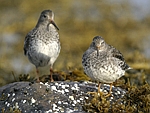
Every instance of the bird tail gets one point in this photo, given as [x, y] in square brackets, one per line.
[131, 70]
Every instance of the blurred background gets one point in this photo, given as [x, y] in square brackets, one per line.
[125, 24]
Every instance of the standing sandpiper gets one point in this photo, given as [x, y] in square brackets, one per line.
[42, 45]
[103, 62]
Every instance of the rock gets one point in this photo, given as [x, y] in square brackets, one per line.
[55, 97]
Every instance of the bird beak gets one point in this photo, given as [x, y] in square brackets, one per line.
[54, 24]
[98, 47]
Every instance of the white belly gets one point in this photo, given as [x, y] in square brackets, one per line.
[103, 75]
[42, 54]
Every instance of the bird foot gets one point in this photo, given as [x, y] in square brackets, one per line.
[51, 75]
[51, 80]
[96, 93]
[38, 80]
[108, 95]
[92, 93]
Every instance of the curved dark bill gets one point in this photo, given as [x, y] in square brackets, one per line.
[54, 24]
[97, 51]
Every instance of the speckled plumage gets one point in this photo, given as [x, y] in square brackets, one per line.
[42, 45]
[103, 62]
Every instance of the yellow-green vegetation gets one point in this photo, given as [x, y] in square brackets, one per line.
[11, 110]
[137, 100]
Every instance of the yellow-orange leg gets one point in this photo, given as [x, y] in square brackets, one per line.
[109, 94]
[95, 93]
[99, 87]
[37, 75]
[51, 75]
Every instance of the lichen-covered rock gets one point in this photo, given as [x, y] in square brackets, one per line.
[55, 97]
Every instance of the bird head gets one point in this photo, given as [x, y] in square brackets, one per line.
[47, 18]
[98, 44]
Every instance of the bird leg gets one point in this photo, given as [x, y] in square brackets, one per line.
[92, 93]
[37, 75]
[98, 92]
[109, 94]
[99, 87]
[51, 74]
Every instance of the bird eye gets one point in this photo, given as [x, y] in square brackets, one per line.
[93, 43]
[102, 42]
[44, 16]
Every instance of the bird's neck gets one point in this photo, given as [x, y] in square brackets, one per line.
[47, 27]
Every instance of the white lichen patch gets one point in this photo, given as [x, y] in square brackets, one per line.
[53, 88]
[49, 101]
[33, 100]
[61, 91]
[24, 101]
[56, 83]
[16, 105]
[8, 104]
[65, 103]
[118, 92]
[76, 85]
[71, 97]
[8, 95]
[86, 97]
[55, 108]
[105, 91]
[13, 94]
[81, 99]
[46, 84]
[41, 82]
[111, 98]
[13, 99]
[75, 102]
[66, 90]
[59, 102]
[67, 85]
[49, 111]
[63, 86]
[78, 101]
[28, 87]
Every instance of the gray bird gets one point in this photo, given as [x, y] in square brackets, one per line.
[103, 63]
[42, 45]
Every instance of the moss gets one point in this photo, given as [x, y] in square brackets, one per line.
[76, 75]
[97, 104]
[11, 110]
[137, 99]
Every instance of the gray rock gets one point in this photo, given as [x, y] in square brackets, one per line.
[55, 97]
